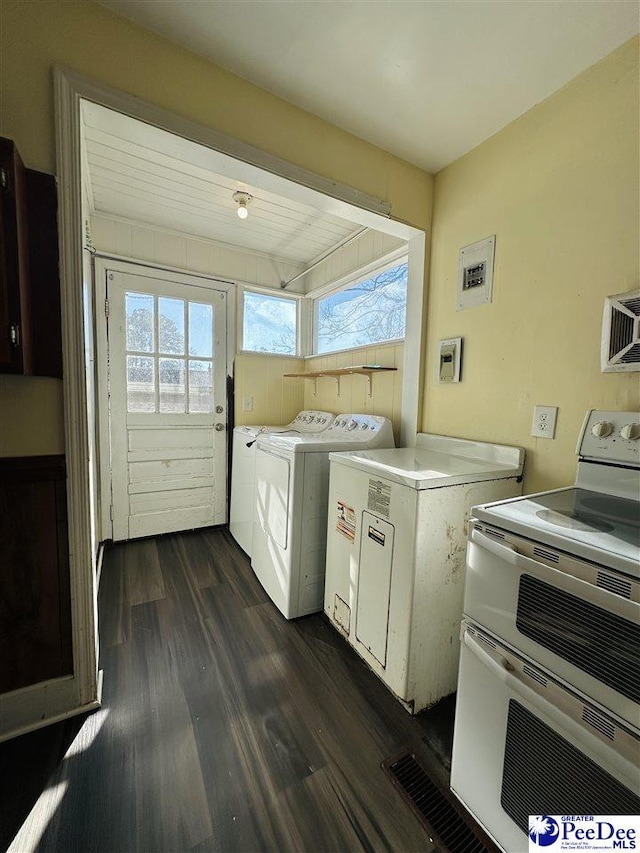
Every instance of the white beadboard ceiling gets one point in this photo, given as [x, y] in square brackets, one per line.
[141, 173]
[427, 80]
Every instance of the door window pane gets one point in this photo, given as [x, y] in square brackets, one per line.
[200, 330]
[141, 389]
[269, 324]
[139, 311]
[200, 386]
[171, 325]
[371, 311]
[172, 391]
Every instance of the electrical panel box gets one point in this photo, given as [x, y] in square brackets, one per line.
[449, 360]
[475, 273]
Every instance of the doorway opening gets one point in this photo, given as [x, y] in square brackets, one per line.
[246, 167]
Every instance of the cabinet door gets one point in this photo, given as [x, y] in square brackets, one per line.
[14, 263]
[35, 597]
[45, 338]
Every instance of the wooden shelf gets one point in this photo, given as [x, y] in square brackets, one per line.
[367, 370]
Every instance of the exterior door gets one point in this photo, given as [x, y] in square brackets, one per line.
[167, 405]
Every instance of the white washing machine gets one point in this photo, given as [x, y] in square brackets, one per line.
[243, 463]
[290, 520]
[396, 546]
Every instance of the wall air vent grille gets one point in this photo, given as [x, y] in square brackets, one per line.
[621, 333]
[631, 356]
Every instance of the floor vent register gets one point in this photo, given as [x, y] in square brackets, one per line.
[446, 826]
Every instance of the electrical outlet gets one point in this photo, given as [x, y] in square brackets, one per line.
[544, 421]
[247, 404]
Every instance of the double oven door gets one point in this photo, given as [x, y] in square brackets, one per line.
[525, 744]
[581, 622]
[547, 717]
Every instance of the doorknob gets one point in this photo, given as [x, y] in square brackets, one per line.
[219, 427]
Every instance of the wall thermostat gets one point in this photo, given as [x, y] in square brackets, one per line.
[449, 360]
[475, 273]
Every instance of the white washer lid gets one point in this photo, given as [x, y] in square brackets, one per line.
[438, 461]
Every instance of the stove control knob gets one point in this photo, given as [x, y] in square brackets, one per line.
[630, 431]
[602, 429]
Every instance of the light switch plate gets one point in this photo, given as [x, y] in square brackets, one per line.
[449, 360]
[544, 421]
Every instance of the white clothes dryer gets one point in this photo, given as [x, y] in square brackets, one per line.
[396, 546]
[290, 520]
[243, 463]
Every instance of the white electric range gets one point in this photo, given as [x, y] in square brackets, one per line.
[548, 713]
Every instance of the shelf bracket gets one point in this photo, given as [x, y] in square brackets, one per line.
[368, 375]
[315, 386]
[337, 378]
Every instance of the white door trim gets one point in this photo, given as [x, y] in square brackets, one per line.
[39, 704]
[286, 179]
[103, 265]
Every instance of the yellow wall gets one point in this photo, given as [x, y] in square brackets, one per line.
[31, 417]
[100, 44]
[386, 396]
[559, 188]
[275, 400]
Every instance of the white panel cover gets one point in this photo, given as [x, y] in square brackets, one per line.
[374, 585]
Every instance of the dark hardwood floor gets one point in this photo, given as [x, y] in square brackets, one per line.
[223, 726]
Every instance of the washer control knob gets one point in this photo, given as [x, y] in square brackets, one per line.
[363, 426]
[630, 431]
[353, 424]
[602, 429]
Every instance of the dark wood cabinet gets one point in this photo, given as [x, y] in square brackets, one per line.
[35, 599]
[14, 262]
[30, 335]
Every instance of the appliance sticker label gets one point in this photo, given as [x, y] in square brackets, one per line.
[346, 522]
[376, 536]
[379, 497]
[583, 832]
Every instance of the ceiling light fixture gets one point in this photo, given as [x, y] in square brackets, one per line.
[243, 200]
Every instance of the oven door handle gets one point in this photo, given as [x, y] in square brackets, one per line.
[505, 671]
[504, 550]
[623, 607]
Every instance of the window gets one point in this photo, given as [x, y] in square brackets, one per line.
[269, 324]
[164, 355]
[371, 311]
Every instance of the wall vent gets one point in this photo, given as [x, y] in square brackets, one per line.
[621, 333]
